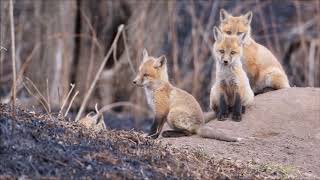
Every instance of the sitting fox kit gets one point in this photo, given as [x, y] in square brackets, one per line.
[232, 88]
[263, 69]
[170, 104]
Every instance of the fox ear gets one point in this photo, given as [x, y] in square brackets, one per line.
[224, 15]
[145, 54]
[160, 62]
[242, 37]
[248, 17]
[217, 34]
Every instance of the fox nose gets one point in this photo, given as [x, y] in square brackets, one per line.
[134, 82]
[225, 62]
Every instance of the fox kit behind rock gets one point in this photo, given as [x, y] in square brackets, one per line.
[232, 88]
[263, 69]
[170, 104]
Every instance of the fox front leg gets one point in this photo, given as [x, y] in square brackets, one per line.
[223, 110]
[156, 127]
[237, 109]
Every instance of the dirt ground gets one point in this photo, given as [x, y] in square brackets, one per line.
[281, 128]
[281, 134]
[44, 147]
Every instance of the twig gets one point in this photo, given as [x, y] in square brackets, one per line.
[311, 59]
[117, 104]
[48, 96]
[301, 28]
[92, 56]
[35, 49]
[115, 54]
[94, 41]
[70, 104]
[13, 49]
[66, 99]
[45, 103]
[94, 34]
[52, 160]
[124, 38]
[2, 48]
[33, 167]
[88, 94]
[59, 95]
[39, 99]
[174, 40]
[274, 32]
[195, 51]
[22, 70]
[264, 25]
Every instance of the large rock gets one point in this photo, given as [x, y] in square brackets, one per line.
[282, 127]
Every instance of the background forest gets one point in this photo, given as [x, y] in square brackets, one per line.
[60, 46]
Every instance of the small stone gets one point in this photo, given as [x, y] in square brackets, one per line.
[89, 167]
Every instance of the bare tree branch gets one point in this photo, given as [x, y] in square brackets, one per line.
[88, 94]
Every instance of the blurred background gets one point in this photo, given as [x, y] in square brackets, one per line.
[63, 42]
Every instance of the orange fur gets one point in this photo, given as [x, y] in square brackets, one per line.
[170, 104]
[262, 67]
[230, 76]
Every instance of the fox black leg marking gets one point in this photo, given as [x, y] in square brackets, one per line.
[237, 109]
[176, 133]
[243, 109]
[156, 127]
[153, 130]
[222, 109]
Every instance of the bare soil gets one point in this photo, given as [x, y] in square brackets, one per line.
[44, 147]
[282, 128]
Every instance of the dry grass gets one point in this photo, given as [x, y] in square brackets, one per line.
[93, 84]
[35, 92]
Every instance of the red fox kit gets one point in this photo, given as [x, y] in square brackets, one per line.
[170, 104]
[263, 69]
[232, 88]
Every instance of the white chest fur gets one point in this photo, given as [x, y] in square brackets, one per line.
[150, 97]
[227, 76]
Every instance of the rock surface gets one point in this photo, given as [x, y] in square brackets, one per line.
[281, 127]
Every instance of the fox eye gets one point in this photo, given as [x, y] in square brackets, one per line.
[228, 32]
[233, 52]
[221, 51]
[145, 75]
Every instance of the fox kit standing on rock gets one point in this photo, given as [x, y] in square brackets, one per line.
[263, 69]
[232, 88]
[170, 104]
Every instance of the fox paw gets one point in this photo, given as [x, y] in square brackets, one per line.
[237, 117]
[243, 109]
[153, 136]
[222, 117]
